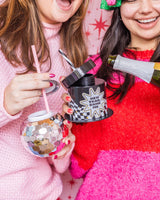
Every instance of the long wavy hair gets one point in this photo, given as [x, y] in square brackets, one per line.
[116, 41]
[20, 27]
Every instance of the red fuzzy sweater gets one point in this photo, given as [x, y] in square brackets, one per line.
[119, 157]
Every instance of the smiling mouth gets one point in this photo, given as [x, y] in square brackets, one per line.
[145, 21]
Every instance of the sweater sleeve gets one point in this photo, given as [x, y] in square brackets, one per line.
[4, 116]
[87, 147]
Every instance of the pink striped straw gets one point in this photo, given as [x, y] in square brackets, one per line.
[38, 70]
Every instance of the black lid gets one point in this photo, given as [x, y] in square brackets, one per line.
[78, 73]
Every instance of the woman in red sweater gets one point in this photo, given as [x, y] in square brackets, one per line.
[119, 157]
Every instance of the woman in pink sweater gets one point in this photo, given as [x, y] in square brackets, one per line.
[119, 157]
[49, 25]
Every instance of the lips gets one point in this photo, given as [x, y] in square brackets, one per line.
[64, 4]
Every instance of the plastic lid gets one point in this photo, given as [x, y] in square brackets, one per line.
[78, 73]
[40, 115]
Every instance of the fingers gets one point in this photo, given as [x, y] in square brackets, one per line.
[25, 103]
[25, 90]
[69, 140]
[31, 81]
[22, 95]
[60, 80]
[66, 109]
[34, 85]
[61, 154]
[30, 94]
[68, 124]
[34, 76]
[66, 97]
[14, 106]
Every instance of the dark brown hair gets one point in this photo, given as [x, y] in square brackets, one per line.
[115, 41]
[20, 27]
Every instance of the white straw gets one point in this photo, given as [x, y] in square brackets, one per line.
[38, 70]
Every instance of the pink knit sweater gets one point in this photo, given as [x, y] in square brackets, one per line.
[22, 175]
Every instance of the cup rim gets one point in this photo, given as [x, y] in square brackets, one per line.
[40, 115]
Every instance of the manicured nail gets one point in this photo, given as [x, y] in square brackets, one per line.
[68, 98]
[51, 75]
[70, 110]
[61, 77]
[51, 84]
[55, 157]
[69, 141]
[68, 122]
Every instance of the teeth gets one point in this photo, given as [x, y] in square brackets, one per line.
[147, 20]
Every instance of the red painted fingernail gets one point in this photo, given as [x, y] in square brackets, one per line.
[69, 141]
[60, 78]
[51, 75]
[68, 98]
[51, 84]
[55, 157]
[68, 122]
[70, 110]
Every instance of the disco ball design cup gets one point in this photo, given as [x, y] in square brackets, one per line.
[42, 133]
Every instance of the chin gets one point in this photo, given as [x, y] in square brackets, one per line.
[62, 19]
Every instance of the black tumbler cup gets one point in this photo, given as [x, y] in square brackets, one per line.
[88, 95]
